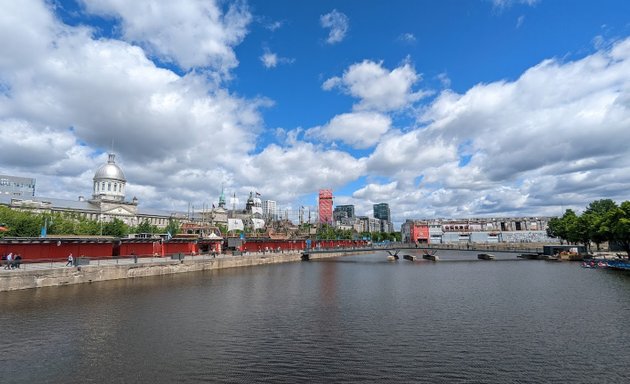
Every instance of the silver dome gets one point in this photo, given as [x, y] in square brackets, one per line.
[110, 171]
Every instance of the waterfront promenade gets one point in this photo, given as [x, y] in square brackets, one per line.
[56, 273]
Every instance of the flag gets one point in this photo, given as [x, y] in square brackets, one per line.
[168, 235]
[43, 233]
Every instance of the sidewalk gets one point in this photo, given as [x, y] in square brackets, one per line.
[47, 265]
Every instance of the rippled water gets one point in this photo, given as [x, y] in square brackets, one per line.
[349, 320]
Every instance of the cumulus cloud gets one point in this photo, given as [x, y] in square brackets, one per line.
[190, 33]
[338, 24]
[359, 129]
[69, 90]
[553, 137]
[377, 87]
[65, 96]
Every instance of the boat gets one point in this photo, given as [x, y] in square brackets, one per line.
[485, 256]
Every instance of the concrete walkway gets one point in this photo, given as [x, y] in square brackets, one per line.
[46, 265]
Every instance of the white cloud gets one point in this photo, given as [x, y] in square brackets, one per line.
[556, 136]
[501, 4]
[190, 33]
[69, 91]
[271, 60]
[407, 38]
[519, 21]
[359, 129]
[338, 24]
[378, 88]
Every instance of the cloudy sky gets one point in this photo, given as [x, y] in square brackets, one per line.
[439, 108]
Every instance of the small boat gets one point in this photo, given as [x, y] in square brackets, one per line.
[485, 256]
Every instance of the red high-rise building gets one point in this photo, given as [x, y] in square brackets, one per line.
[325, 206]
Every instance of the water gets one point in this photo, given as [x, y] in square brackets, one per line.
[354, 319]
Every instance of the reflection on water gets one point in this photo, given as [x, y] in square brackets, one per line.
[352, 319]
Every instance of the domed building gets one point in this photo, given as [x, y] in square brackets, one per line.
[109, 192]
[109, 182]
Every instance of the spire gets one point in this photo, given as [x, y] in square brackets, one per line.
[222, 198]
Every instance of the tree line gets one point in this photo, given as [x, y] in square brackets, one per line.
[602, 221]
[17, 223]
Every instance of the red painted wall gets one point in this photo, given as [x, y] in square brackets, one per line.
[56, 249]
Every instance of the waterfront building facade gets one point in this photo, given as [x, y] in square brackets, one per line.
[477, 230]
[16, 186]
[108, 201]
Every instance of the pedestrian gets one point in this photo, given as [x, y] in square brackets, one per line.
[70, 260]
[9, 263]
[18, 261]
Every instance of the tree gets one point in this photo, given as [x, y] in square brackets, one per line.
[145, 227]
[618, 220]
[173, 227]
[599, 230]
[116, 228]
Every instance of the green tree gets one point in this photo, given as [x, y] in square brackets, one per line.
[173, 227]
[618, 220]
[599, 230]
[145, 227]
[116, 228]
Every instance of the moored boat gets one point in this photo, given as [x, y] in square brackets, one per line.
[485, 256]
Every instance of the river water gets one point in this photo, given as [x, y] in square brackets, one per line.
[354, 319]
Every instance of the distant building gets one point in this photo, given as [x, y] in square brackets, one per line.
[382, 212]
[348, 209]
[343, 216]
[367, 224]
[270, 209]
[17, 186]
[107, 202]
[476, 230]
[325, 206]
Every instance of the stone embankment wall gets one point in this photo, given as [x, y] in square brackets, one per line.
[27, 279]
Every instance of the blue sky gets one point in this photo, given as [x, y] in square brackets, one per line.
[440, 108]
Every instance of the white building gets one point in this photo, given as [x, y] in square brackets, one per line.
[270, 209]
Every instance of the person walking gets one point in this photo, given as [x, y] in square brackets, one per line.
[70, 261]
[9, 262]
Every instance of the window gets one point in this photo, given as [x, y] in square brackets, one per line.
[109, 186]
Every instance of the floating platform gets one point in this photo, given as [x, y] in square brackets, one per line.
[485, 256]
[409, 257]
[430, 257]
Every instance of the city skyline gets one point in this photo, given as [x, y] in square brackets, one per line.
[439, 108]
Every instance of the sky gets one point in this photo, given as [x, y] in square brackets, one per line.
[442, 109]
